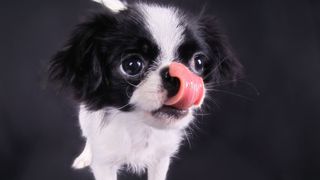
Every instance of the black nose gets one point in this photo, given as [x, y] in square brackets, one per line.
[171, 84]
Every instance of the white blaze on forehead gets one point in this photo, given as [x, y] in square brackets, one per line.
[113, 5]
[164, 24]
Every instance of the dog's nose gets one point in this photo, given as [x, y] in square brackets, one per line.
[171, 84]
[185, 88]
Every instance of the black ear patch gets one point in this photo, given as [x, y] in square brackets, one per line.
[227, 64]
[88, 65]
[77, 65]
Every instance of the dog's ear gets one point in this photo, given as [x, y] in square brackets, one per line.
[77, 66]
[227, 65]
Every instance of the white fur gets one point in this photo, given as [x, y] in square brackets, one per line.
[151, 91]
[115, 138]
[114, 5]
[137, 138]
[165, 26]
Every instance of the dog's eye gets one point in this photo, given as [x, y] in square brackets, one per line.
[132, 65]
[197, 63]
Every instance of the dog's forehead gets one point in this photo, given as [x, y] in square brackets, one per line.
[165, 25]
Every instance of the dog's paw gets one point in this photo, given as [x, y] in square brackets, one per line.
[83, 160]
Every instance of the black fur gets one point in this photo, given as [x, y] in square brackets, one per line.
[89, 63]
[206, 36]
[225, 65]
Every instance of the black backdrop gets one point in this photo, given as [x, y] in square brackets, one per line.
[273, 135]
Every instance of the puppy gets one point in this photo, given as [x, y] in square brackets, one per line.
[139, 72]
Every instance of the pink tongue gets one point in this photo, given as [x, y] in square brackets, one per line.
[191, 88]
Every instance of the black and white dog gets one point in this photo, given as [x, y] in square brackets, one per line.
[139, 71]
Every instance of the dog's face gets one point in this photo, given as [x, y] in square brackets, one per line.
[121, 61]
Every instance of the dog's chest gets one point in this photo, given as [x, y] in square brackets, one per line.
[130, 142]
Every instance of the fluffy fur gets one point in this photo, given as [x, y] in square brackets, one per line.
[116, 110]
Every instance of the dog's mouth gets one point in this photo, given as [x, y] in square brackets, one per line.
[170, 112]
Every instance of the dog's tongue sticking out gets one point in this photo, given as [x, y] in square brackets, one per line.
[191, 90]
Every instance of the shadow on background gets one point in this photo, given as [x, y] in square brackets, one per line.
[274, 135]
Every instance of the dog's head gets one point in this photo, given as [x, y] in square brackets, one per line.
[150, 60]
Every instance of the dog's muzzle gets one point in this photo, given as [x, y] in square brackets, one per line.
[185, 89]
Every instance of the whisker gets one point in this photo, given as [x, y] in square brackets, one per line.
[131, 83]
[252, 86]
[117, 111]
[231, 93]
[127, 93]
[124, 106]
[187, 138]
[202, 114]
[214, 69]
[226, 82]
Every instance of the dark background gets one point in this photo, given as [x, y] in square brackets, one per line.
[273, 134]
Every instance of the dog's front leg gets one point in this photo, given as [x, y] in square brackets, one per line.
[158, 170]
[84, 159]
[104, 172]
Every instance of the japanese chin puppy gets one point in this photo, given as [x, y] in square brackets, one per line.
[139, 72]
